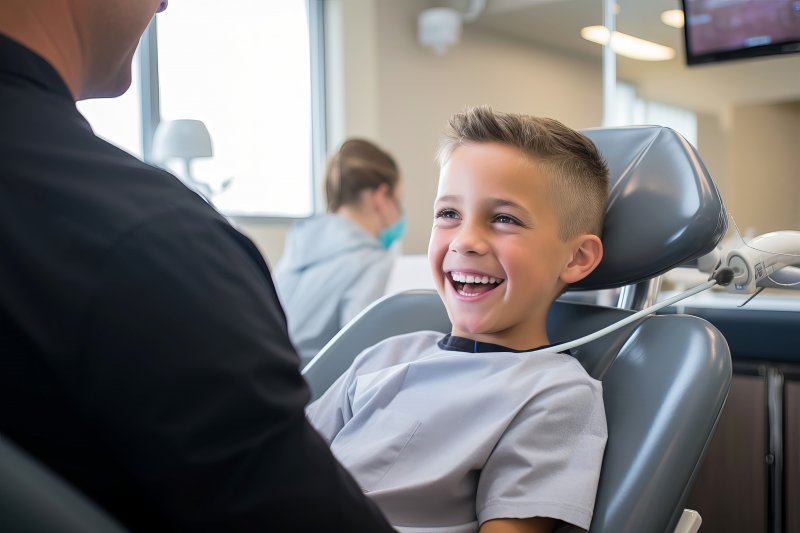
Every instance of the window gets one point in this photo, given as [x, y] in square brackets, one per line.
[118, 120]
[244, 70]
[630, 109]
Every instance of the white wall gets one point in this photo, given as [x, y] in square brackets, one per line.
[751, 152]
[745, 82]
[713, 144]
[764, 163]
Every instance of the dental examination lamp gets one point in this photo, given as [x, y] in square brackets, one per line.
[185, 140]
[439, 28]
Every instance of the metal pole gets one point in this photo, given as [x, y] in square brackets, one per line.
[609, 64]
[319, 126]
[775, 402]
[639, 295]
[151, 105]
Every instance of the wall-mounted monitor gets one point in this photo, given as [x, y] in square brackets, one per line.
[722, 30]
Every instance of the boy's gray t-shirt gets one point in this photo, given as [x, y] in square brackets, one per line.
[443, 441]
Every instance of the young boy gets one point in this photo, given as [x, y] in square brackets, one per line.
[468, 431]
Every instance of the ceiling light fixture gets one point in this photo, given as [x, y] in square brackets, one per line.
[673, 17]
[628, 45]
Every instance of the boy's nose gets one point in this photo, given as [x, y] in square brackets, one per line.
[469, 240]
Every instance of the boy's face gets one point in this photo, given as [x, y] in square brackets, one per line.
[494, 223]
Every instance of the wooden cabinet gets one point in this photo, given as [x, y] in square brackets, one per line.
[750, 481]
[793, 456]
[731, 490]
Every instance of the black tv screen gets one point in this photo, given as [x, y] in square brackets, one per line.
[721, 30]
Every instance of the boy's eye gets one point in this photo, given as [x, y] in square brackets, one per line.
[506, 219]
[446, 213]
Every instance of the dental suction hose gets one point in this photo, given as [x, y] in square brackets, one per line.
[722, 276]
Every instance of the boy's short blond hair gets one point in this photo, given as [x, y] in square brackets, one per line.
[578, 174]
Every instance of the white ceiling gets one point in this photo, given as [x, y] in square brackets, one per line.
[555, 25]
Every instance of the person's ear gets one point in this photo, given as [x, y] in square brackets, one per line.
[586, 255]
[381, 196]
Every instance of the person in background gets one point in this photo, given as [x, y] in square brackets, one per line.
[145, 356]
[336, 264]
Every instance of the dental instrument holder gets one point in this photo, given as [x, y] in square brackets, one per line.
[756, 263]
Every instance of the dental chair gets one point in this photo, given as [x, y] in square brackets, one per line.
[33, 499]
[665, 378]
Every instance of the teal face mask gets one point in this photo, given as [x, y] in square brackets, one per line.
[393, 232]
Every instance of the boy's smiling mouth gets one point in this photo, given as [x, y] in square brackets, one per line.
[472, 284]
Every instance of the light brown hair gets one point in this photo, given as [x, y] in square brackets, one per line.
[356, 166]
[578, 174]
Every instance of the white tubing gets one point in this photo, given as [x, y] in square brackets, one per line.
[624, 322]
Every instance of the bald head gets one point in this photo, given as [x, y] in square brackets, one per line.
[90, 43]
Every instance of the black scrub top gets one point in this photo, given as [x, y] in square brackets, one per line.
[143, 353]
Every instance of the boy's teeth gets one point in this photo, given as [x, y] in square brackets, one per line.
[471, 278]
[464, 293]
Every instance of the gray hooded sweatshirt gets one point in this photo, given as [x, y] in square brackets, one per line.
[330, 271]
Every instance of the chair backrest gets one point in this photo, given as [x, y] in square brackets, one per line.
[35, 500]
[665, 378]
[663, 207]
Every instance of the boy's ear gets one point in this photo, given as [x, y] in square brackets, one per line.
[586, 255]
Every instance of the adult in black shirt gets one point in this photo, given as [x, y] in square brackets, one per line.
[143, 352]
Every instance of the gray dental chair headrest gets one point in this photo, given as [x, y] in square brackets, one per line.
[663, 208]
